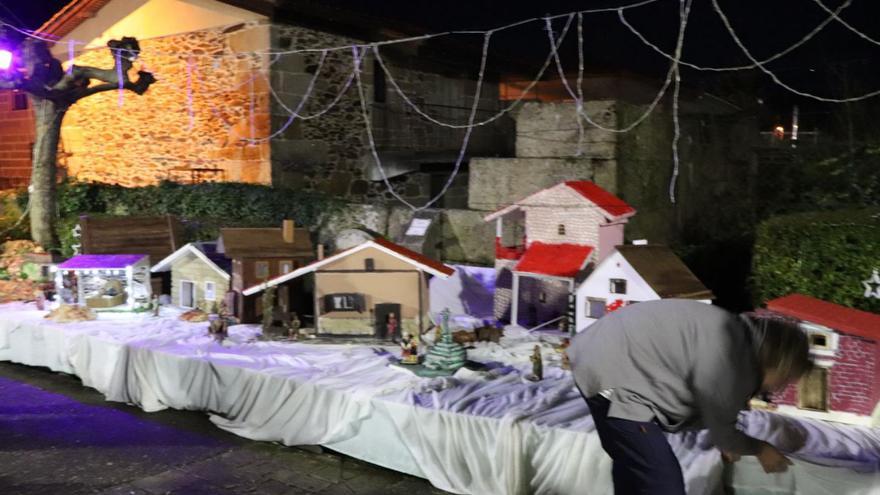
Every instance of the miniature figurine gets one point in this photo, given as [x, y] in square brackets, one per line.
[293, 326]
[391, 325]
[40, 299]
[154, 304]
[410, 349]
[268, 301]
[218, 328]
[537, 364]
[566, 365]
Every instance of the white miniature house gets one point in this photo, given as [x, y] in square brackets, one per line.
[104, 281]
[635, 273]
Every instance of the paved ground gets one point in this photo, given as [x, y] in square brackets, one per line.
[59, 437]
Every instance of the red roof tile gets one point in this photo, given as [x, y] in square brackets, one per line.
[615, 206]
[558, 260]
[417, 257]
[835, 316]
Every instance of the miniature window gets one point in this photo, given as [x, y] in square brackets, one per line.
[285, 267]
[618, 286]
[369, 264]
[19, 101]
[818, 340]
[595, 308]
[210, 291]
[261, 269]
[542, 297]
[343, 302]
[561, 229]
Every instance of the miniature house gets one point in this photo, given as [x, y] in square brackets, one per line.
[261, 254]
[545, 241]
[104, 281]
[635, 273]
[357, 289]
[200, 275]
[844, 385]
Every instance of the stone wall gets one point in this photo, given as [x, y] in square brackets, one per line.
[544, 216]
[208, 99]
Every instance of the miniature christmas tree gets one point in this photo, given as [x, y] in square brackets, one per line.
[446, 356]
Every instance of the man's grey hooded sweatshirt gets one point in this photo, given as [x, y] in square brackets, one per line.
[685, 363]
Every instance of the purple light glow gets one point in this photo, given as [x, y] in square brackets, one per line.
[5, 59]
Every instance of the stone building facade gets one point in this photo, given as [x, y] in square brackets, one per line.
[16, 126]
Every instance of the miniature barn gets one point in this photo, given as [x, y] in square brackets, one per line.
[104, 281]
[546, 243]
[357, 290]
[636, 273]
[844, 385]
[200, 275]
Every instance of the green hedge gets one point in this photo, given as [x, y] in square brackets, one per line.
[204, 208]
[825, 254]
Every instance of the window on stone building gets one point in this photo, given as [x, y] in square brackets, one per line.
[19, 101]
[380, 86]
[561, 229]
[542, 297]
[618, 286]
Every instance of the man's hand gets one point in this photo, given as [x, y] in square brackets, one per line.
[730, 457]
[772, 460]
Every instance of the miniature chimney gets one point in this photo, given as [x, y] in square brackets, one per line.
[320, 252]
[287, 231]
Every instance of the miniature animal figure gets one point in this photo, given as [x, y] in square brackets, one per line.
[566, 365]
[293, 326]
[464, 337]
[537, 363]
[154, 304]
[489, 333]
[218, 328]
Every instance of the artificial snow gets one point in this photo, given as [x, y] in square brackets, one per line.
[487, 431]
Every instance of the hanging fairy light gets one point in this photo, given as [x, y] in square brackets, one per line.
[5, 59]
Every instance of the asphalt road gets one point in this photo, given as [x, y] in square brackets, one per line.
[60, 437]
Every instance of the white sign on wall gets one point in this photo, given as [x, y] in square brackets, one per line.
[418, 227]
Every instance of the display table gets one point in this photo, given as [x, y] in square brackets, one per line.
[490, 432]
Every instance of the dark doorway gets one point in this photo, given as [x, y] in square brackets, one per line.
[382, 311]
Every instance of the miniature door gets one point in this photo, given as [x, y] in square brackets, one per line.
[383, 312]
[813, 390]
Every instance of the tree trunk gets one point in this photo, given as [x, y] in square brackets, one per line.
[48, 116]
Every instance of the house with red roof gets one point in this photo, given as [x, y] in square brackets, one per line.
[358, 289]
[844, 385]
[545, 241]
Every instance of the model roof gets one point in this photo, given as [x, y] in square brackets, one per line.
[828, 314]
[613, 207]
[556, 260]
[205, 251]
[420, 261]
[263, 242]
[667, 275]
[101, 261]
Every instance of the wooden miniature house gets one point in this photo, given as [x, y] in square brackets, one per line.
[104, 281]
[262, 254]
[545, 241]
[200, 276]
[844, 385]
[356, 290]
[635, 273]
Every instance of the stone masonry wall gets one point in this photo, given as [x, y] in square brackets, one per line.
[208, 99]
[544, 215]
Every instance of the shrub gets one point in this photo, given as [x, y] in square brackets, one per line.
[825, 254]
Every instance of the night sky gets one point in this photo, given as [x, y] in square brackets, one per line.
[835, 63]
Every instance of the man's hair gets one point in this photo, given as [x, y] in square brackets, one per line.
[780, 344]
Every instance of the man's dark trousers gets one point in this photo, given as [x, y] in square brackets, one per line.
[643, 460]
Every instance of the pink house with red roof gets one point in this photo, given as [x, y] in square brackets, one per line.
[845, 345]
[545, 241]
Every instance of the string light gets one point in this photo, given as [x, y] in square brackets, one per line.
[834, 15]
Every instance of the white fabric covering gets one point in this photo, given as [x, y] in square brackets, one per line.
[488, 432]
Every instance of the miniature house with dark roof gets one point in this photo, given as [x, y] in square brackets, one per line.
[104, 281]
[356, 290]
[635, 273]
[261, 254]
[200, 276]
[545, 241]
[844, 385]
